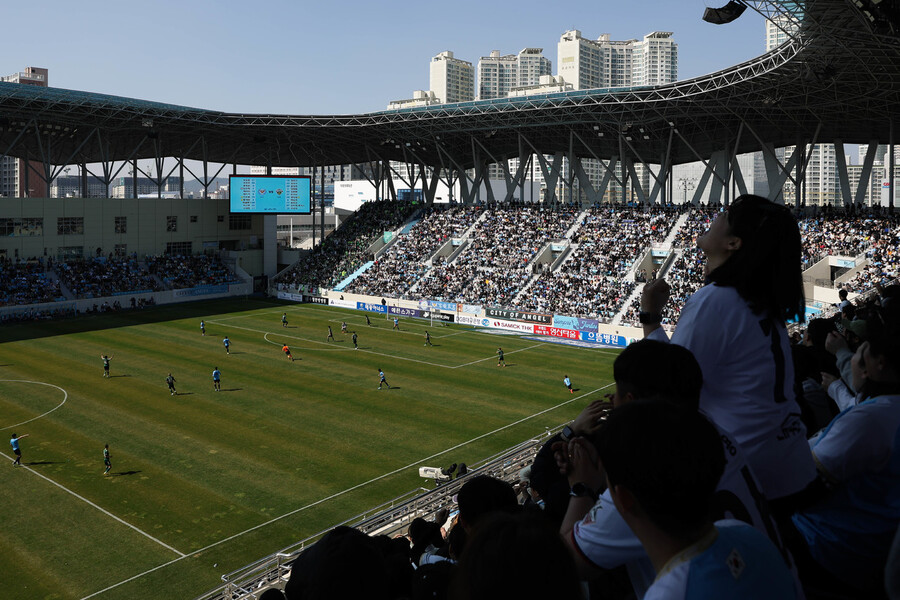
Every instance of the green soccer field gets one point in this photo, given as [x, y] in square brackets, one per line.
[206, 482]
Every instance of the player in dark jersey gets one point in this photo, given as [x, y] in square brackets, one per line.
[500, 360]
[170, 381]
[107, 461]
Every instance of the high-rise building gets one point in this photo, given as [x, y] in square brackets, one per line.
[499, 75]
[14, 182]
[452, 79]
[602, 63]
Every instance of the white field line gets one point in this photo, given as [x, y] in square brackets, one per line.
[348, 490]
[67, 490]
[103, 510]
[422, 362]
[65, 397]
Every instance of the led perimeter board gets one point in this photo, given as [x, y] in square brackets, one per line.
[269, 194]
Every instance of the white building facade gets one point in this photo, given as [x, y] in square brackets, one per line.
[451, 79]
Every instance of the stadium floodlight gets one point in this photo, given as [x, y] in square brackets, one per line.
[725, 14]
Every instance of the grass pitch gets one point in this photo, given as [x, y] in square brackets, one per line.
[205, 482]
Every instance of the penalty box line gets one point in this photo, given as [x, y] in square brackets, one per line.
[350, 489]
[422, 362]
[103, 510]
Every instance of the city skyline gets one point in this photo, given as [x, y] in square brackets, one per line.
[341, 58]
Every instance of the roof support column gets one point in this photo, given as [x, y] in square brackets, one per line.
[891, 162]
[134, 178]
[866, 173]
[843, 176]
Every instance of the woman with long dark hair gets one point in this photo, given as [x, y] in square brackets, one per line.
[735, 327]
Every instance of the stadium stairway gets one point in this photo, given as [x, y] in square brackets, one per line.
[343, 284]
[409, 225]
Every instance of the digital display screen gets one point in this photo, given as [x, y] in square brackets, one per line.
[269, 194]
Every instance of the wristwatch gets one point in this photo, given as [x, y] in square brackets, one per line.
[568, 433]
[580, 490]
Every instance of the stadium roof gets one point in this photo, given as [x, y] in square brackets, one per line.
[836, 78]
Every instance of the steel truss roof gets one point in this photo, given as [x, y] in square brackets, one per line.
[836, 79]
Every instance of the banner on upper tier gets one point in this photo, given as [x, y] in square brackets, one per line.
[202, 290]
[576, 323]
[290, 296]
[569, 334]
[518, 315]
[367, 306]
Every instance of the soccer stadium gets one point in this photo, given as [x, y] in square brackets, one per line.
[460, 384]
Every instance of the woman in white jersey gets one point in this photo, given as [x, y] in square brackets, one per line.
[735, 327]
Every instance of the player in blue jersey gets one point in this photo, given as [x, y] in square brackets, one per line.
[663, 464]
[382, 380]
[202, 328]
[396, 324]
[568, 383]
[14, 442]
[227, 343]
[217, 379]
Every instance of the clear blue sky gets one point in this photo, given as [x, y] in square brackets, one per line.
[338, 57]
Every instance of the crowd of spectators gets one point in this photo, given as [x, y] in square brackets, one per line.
[99, 277]
[403, 264]
[344, 251]
[179, 272]
[883, 258]
[509, 238]
[27, 283]
[685, 274]
[591, 283]
[685, 500]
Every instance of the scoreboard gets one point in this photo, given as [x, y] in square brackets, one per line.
[269, 194]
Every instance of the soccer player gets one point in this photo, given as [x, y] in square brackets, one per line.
[396, 324]
[382, 379]
[427, 339]
[202, 328]
[343, 326]
[330, 335]
[284, 320]
[227, 343]
[106, 460]
[368, 322]
[217, 380]
[500, 360]
[14, 442]
[105, 360]
[170, 381]
[287, 352]
[568, 383]
[355, 346]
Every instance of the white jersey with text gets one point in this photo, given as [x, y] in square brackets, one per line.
[748, 380]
